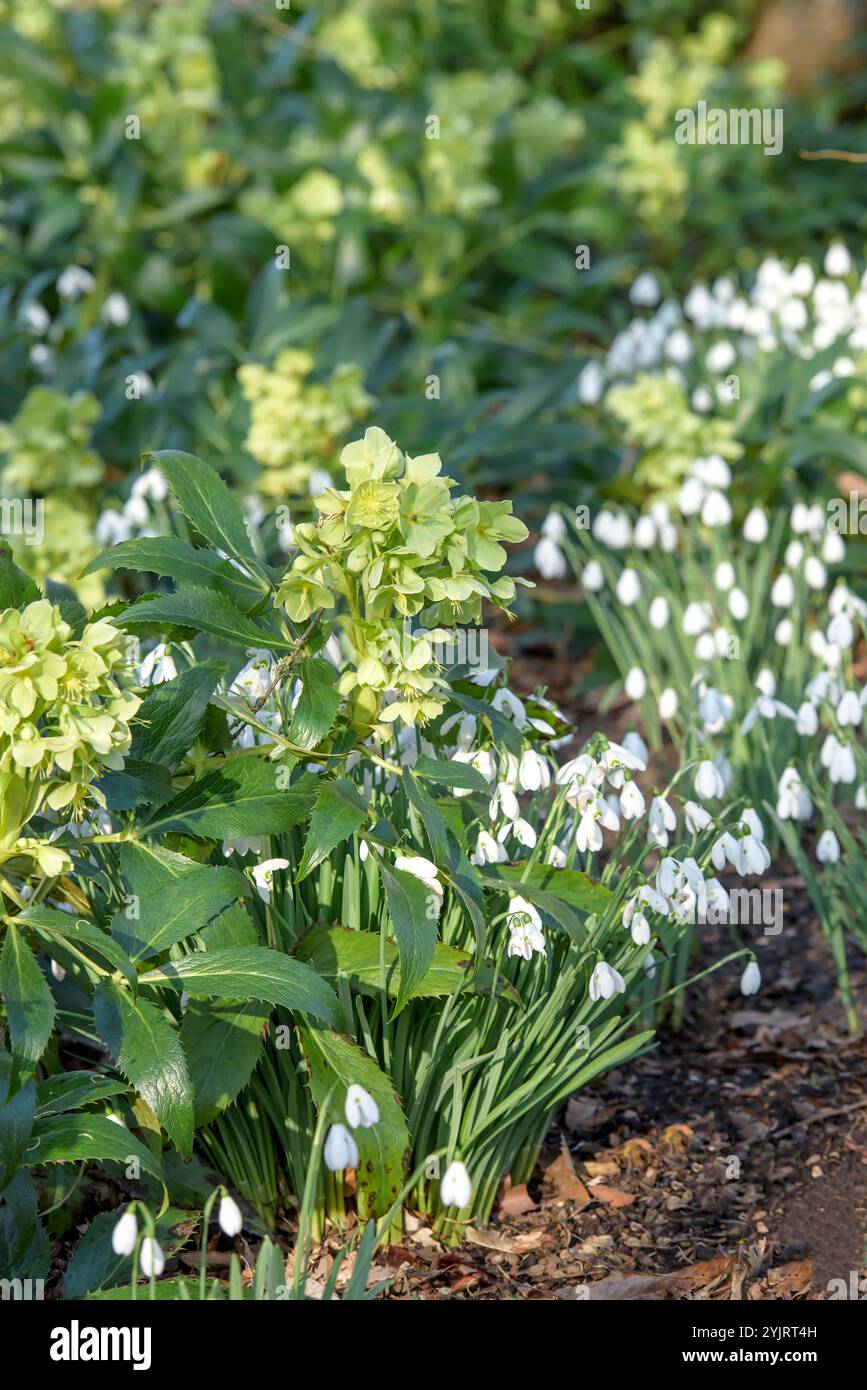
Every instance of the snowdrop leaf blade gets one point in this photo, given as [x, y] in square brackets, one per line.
[171, 716]
[251, 972]
[338, 813]
[29, 1006]
[414, 928]
[149, 1054]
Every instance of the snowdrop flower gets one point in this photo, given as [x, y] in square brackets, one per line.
[828, 848]
[815, 573]
[488, 850]
[507, 702]
[616, 758]
[605, 982]
[455, 1187]
[724, 576]
[632, 803]
[696, 817]
[635, 684]
[793, 799]
[837, 260]
[839, 759]
[612, 529]
[151, 1258]
[756, 526]
[661, 822]
[696, 618]
[833, 549]
[706, 647]
[840, 632]
[752, 856]
[668, 703]
[341, 1150]
[229, 1216]
[640, 929]
[708, 782]
[422, 869]
[158, 666]
[136, 511]
[58, 972]
[701, 400]
[123, 1237]
[263, 876]
[784, 632]
[644, 290]
[634, 744]
[678, 348]
[659, 613]
[525, 938]
[808, 720]
[692, 494]
[783, 591]
[360, 1108]
[152, 485]
[591, 384]
[649, 897]
[36, 316]
[739, 605]
[720, 357]
[522, 831]
[751, 979]
[861, 797]
[716, 509]
[628, 588]
[578, 771]
[534, 774]
[715, 709]
[592, 577]
[112, 528]
[505, 800]
[556, 857]
[644, 535]
[793, 555]
[74, 281]
[850, 710]
[116, 310]
[594, 813]
[549, 559]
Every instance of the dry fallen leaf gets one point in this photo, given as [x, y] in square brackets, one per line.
[514, 1201]
[561, 1174]
[508, 1245]
[791, 1280]
[612, 1196]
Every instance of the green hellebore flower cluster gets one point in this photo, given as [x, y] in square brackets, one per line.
[65, 712]
[395, 544]
[46, 445]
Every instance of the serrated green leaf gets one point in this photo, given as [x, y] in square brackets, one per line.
[317, 705]
[223, 1042]
[177, 910]
[82, 936]
[29, 1005]
[171, 715]
[72, 1090]
[203, 610]
[250, 972]
[17, 1111]
[94, 1138]
[239, 800]
[415, 931]
[174, 559]
[148, 1051]
[338, 812]
[451, 774]
[206, 501]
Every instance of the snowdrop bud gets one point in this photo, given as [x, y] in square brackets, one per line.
[592, 577]
[361, 1109]
[784, 632]
[667, 706]
[807, 721]
[720, 357]
[828, 848]
[716, 509]
[635, 683]
[815, 573]
[724, 575]
[833, 549]
[363, 850]
[645, 533]
[861, 797]
[151, 1258]
[605, 982]
[837, 260]
[696, 817]
[691, 496]
[631, 801]
[708, 782]
[756, 526]
[58, 972]
[556, 857]
[841, 632]
[739, 605]
[794, 554]
[341, 1150]
[549, 559]
[849, 710]
[455, 1188]
[640, 929]
[229, 1216]
[591, 384]
[751, 980]
[783, 591]
[696, 619]
[644, 290]
[659, 613]
[702, 400]
[123, 1237]
[705, 647]
[766, 682]
[629, 588]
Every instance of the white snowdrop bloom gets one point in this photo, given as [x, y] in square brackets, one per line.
[616, 759]
[861, 797]
[817, 645]
[800, 518]
[229, 1216]
[507, 702]
[701, 400]
[522, 912]
[360, 1108]
[723, 851]
[715, 709]
[808, 719]
[640, 929]
[696, 618]
[341, 1150]
[455, 1188]
[151, 485]
[534, 773]
[151, 1258]
[116, 310]
[466, 726]
[644, 290]
[842, 600]
[802, 279]
[649, 897]
[820, 381]
[244, 845]
[667, 705]
[634, 744]
[592, 577]
[751, 819]
[363, 851]
[423, 869]
[594, 813]
[678, 348]
[793, 315]
[794, 554]
[708, 782]
[705, 647]
[549, 559]
[793, 799]
[504, 800]
[696, 817]
[751, 979]
[158, 666]
[580, 771]
[137, 511]
[720, 357]
[124, 1234]
[850, 710]
[556, 857]
[783, 591]
[828, 848]
[629, 588]
[843, 367]
[488, 850]
[661, 823]
[263, 876]
[635, 684]
[668, 538]
[699, 306]
[522, 831]
[605, 982]
[766, 682]
[612, 529]
[840, 631]
[752, 857]
[591, 384]
[74, 281]
[632, 804]
[483, 762]
[724, 575]
[36, 317]
[58, 972]
[823, 687]
[784, 632]
[756, 526]
[815, 573]
[41, 356]
[554, 526]
[112, 528]
[644, 534]
[659, 613]
[839, 759]
[739, 605]
[833, 548]
[525, 940]
[837, 260]
[692, 494]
